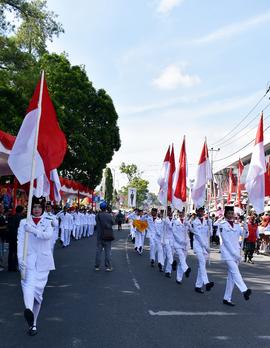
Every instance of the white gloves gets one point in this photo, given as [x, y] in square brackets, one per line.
[29, 229]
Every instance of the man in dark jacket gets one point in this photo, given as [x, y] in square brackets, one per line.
[104, 221]
[13, 225]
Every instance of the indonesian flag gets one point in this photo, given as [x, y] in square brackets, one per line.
[240, 186]
[164, 179]
[171, 176]
[230, 186]
[180, 180]
[51, 145]
[255, 181]
[48, 187]
[203, 175]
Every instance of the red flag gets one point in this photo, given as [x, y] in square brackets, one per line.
[240, 186]
[180, 180]
[230, 186]
[171, 175]
[51, 145]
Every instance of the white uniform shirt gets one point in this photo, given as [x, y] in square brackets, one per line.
[39, 252]
[77, 218]
[230, 248]
[202, 233]
[167, 237]
[180, 234]
[65, 221]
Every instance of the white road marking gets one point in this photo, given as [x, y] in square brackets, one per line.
[264, 337]
[135, 282]
[182, 313]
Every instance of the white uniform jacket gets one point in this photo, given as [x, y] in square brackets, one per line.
[180, 234]
[39, 253]
[65, 221]
[155, 227]
[202, 233]
[167, 237]
[52, 218]
[77, 219]
[230, 248]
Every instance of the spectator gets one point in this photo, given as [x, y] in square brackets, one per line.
[13, 225]
[119, 219]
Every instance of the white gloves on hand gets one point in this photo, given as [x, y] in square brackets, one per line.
[29, 229]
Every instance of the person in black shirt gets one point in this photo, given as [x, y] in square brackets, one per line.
[13, 225]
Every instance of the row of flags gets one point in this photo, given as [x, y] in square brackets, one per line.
[173, 180]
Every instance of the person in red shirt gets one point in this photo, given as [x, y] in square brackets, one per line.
[250, 241]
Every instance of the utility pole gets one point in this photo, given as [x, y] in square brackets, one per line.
[213, 187]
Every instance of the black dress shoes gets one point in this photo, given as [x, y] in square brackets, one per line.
[228, 303]
[247, 294]
[29, 317]
[168, 275]
[199, 290]
[209, 286]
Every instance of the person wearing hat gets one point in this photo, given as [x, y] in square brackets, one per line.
[202, 230]
[230, 233]
[167, 243]
[39, 260]
[181, 227]
[54, 221]
[66, 225]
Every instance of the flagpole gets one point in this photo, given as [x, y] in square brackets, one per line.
[33, 170]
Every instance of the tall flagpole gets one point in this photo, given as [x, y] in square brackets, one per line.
[33, 171]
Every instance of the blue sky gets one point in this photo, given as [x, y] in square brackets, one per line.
[172, 67]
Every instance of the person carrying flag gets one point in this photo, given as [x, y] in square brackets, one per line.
[39, 260]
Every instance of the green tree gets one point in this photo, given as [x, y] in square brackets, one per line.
[108, 186]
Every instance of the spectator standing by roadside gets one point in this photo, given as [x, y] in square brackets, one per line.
[104, 231]
[3, 234]
[119, 219]
[13, 225]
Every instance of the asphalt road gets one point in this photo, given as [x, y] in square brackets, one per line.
[135, 305]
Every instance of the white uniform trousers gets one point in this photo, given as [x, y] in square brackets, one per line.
[139, 239]
[81, 231]
[66, 236]
[234, 277]
[182, 263]
[77, 231]
[202, 277]
[84, 230]
[168, 257]
[152, 248]
[88, 230]
[92, 229]
[157, 250]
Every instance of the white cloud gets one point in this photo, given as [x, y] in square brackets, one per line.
[173, 76]
[165, 6]
[233, 29]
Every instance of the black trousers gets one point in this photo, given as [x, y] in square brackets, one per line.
[12, 256]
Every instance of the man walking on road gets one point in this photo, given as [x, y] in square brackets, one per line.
[104, 223]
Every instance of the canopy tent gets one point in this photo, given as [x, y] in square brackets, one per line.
[67, 186]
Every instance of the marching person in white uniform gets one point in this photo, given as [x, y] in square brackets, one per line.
[77, 223]
[202, 229]
[230, 233]
[181, 228]
[39, 261]
[167, 243]
[65, 225]
[139, 236]
[54, 221]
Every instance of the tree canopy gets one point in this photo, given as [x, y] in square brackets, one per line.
[86, 115]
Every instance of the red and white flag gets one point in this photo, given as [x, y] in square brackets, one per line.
[203, 174]
[180, 180]
[230, 186]
[240, 186]
[48, 187]
[171, 176]
[255, 181]
[164, 179]
[51, 145]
